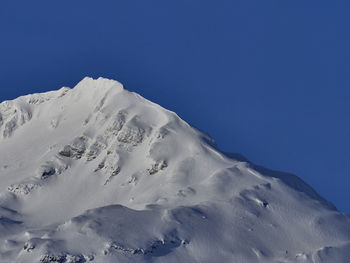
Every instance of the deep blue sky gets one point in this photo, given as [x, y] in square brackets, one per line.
[268, 79]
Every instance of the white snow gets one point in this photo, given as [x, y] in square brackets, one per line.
[99, 174]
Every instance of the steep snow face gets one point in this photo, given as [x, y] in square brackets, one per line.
[100, 174]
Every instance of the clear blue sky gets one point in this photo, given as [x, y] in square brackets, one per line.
[268, 79]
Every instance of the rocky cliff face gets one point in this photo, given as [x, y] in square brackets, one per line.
[100, 174]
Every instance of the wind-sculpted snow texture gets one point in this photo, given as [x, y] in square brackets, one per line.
[100, 174]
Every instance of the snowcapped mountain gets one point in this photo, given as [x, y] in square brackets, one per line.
[99, 174]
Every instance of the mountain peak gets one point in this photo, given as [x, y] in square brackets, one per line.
[102, 83]
[98, 173]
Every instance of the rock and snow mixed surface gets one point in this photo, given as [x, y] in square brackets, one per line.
[100, 174]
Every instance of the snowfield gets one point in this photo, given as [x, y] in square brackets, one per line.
[99, 174]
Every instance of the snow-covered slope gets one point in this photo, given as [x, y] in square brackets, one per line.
[100, 174]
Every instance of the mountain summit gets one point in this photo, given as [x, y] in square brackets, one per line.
[99, 174]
